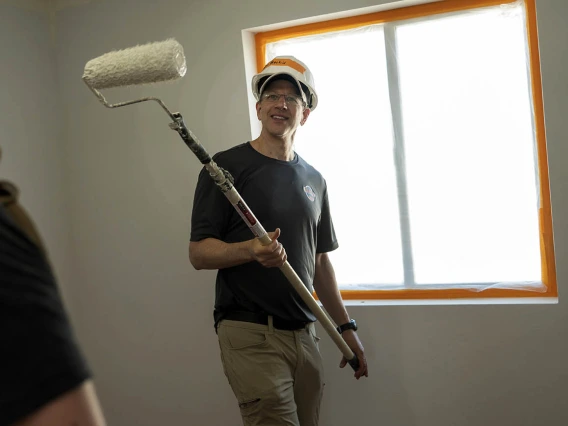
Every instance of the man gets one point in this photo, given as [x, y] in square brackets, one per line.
[266, 332]
[44, 378]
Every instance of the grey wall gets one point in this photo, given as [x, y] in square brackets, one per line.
[31, 128]
[144, 315]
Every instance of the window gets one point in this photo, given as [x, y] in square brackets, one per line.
[430, 133]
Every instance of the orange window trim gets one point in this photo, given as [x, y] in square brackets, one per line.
[545, 215]
[411, 12]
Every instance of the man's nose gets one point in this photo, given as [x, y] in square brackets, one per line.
[282, 102]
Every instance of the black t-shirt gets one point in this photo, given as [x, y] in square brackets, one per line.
[291, 196]
[39, 358]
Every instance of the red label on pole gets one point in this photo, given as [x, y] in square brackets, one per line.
[246, 212]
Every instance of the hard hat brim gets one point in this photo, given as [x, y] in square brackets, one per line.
[308, 94]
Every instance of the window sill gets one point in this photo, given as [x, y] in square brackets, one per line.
[440, 302]
[492, 296]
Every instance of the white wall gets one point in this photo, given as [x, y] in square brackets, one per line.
[31, 126]
[145, 317]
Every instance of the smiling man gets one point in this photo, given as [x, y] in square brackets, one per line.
[266, 332]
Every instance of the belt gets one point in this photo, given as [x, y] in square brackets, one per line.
[260, 318]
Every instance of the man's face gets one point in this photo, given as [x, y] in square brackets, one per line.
[279, 117]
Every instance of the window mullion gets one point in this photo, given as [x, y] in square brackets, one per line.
[398, 152]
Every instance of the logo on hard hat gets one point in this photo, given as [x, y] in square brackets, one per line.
[286, 63]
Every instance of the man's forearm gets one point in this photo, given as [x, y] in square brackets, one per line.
[216, 254]
[327, 290]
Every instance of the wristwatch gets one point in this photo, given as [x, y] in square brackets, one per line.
[351, 325]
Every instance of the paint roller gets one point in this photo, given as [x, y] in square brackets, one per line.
[162, 62]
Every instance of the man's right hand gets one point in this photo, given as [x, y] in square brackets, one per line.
[270, 256]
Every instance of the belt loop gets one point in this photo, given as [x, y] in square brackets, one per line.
[270, 324]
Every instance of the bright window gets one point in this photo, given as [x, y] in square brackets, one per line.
[429, 132]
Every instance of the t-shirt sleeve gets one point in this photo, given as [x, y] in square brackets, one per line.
[327, 240]
[39, 356]
[210, 211]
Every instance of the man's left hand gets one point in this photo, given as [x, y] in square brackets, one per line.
[354, 343]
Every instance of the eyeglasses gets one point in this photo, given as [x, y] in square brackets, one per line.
[291, 100]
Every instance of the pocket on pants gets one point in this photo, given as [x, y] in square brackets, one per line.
[236, 338]
[242, 349]
[314, 336]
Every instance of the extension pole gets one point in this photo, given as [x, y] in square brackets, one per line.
[224, 181]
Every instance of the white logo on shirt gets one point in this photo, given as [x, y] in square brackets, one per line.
[310, 193]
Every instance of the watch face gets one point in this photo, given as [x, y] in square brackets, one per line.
[354, 324]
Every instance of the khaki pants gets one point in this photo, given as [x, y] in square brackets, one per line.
[276, 375]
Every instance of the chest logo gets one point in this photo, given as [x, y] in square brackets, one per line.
[310, 193]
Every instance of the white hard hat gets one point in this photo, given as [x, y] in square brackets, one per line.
[290, 66]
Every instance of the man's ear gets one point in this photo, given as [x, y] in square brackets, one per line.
[258, 110]
[305, 115]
